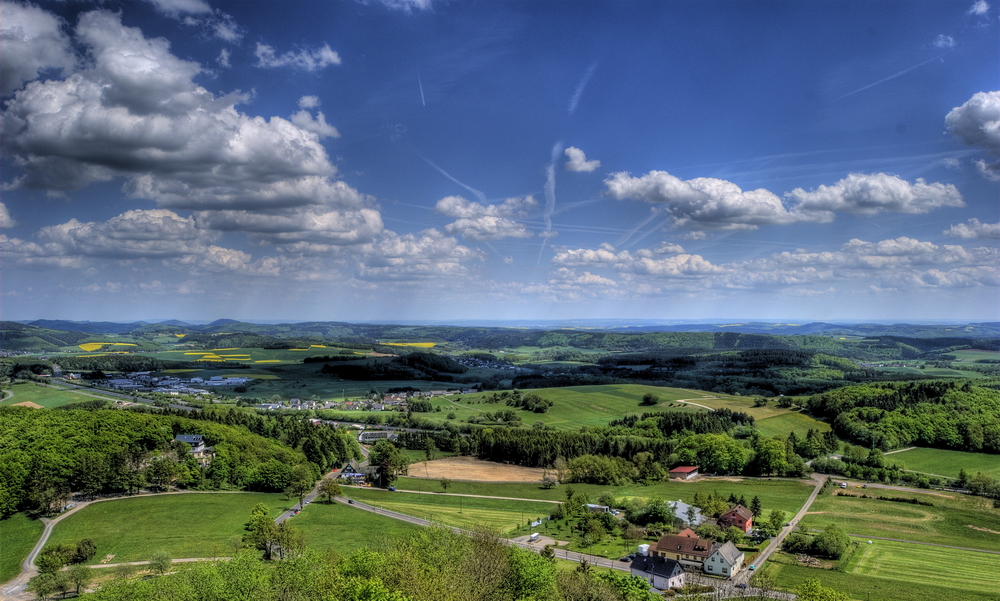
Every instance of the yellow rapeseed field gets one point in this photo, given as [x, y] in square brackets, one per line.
[416, 344]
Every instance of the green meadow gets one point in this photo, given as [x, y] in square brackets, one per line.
[450, 510]
[955, 519]
[46, 396]
[889, 571]
[181, 525]
[342, 528]
[947, 463]
[18, 534]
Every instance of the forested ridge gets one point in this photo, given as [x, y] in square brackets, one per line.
[44, 455]
[942, 414]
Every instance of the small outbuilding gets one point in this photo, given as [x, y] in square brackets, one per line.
[684, 472]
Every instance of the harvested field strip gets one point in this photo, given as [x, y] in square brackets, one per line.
[952, 568]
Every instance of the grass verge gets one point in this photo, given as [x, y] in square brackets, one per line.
[18, 534]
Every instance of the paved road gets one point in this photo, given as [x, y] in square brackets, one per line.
[776, 541]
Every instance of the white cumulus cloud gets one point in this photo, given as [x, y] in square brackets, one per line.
[974, 229]
[33, 41]
[578, 160]
[977, 123]
[979, 8]
[870, 194]
[477, 221]
[305, 58]
[5, 219]
[704, 203]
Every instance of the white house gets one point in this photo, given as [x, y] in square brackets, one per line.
[660, 572]
[725, 560]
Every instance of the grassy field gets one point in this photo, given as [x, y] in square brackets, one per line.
[947, 463]
[18, 534]
[954, 519]
[786, 495]
[966, 570]
[463, 512]
[344, 529]
[46, 396]
[576, 406]
[923, 582]
[184, 525]
[790, 421]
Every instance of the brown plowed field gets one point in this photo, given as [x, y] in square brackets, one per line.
[476, 470]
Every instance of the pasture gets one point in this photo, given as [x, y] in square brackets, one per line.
[918, 586]
[952, 568]
[344, 529]
[947, 463]
[47, 396]
[790, 421]
[182, 525]
[450, 510]
[954, 519]
[19, 535]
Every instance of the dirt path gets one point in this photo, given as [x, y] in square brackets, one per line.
[688, 402]
[899, 450]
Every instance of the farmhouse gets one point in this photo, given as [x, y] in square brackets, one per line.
[592, 508]
[198, 448]
[726, 560]
[684, 472]
[660, 572]
[738, 516]
[685, 547]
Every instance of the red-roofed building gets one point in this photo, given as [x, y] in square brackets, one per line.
[738, 516]
[684, 472]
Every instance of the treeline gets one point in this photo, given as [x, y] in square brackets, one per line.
[413, 366]
[46, 455]
[942, 414]
[430, 564]
[323, 446]
[713, 422]
[129, 362]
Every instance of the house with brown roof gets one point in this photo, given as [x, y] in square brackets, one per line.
[738, 516]
[686, 548]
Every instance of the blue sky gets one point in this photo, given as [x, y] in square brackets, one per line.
[445, 160]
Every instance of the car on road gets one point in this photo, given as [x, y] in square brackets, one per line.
[392, 489]
[752, 567]
[741, 585]
[350, 501]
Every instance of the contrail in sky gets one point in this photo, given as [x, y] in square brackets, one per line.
[421, 84]
[550, 194]
[893, 76]
[575, 100]
[479, 195]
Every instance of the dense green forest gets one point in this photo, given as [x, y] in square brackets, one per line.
[46, 454]
[943, 414]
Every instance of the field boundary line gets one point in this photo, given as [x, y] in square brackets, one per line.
[914, 542]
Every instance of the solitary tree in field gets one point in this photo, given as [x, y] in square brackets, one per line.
[445, 484]
[650, 399]
[329, 488]
[160, 563]
[80, 576]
